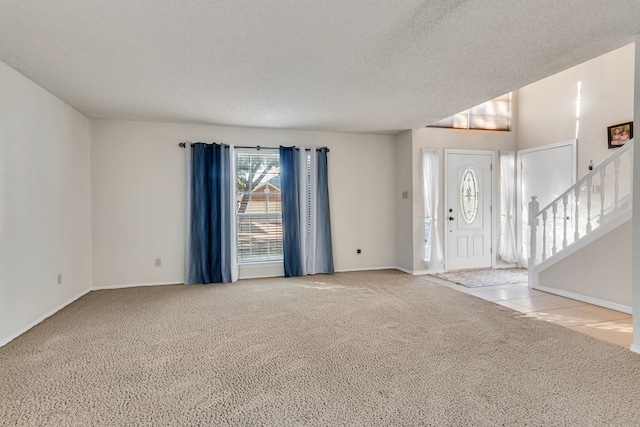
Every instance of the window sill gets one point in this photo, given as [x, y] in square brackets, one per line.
[257, 269]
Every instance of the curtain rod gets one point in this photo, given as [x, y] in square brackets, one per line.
[257, 147]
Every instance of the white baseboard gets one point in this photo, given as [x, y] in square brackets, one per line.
[348, 270]
[41, 318]
[414, 272]
[587, 299]
[635, 348]
[134, 285]
[423, 272]
[369, 269]
[249, 276]
[504, 266]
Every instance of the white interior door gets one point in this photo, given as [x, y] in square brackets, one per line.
[467, 216]
[546, 172]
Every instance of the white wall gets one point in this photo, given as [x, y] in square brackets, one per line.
[547, 109]
[45, 225]
[138, 195]
[447, 139]
[404, 207]
[600, 270]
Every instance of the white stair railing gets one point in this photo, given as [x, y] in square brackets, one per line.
[601, 196]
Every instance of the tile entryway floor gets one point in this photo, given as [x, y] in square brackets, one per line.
[598, 322]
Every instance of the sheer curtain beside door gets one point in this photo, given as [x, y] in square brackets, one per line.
[433, 256]
[507, 247]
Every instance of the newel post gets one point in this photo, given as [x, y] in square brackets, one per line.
[534, 206]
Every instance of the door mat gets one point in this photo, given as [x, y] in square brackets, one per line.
[484, 277]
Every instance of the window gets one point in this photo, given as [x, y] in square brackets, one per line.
[491, 115]
[259, 207]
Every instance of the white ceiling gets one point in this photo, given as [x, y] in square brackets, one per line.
[343, 65]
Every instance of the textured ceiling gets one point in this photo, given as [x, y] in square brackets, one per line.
[343, 65]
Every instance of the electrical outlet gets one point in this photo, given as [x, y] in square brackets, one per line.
[358, 251]
[158, 262]
[405, 195]
[59, 279]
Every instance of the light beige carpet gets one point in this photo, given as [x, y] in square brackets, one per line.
[359, 349]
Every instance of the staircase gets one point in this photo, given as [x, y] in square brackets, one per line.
[594, 206]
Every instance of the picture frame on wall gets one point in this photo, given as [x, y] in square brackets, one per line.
[619, 134]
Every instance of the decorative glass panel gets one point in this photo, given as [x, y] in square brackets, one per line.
[469, 196]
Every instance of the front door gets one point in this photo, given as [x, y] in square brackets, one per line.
[468, 209]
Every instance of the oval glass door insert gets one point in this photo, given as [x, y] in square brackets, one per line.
[469, 196]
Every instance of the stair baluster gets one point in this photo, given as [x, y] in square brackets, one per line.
[589, 189]
[533, 223]
[616, 188]
[564, 219]
[576, 220]
[602, 174]
[544, 235]
[554, 248]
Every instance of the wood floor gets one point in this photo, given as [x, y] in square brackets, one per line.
[599, 322]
